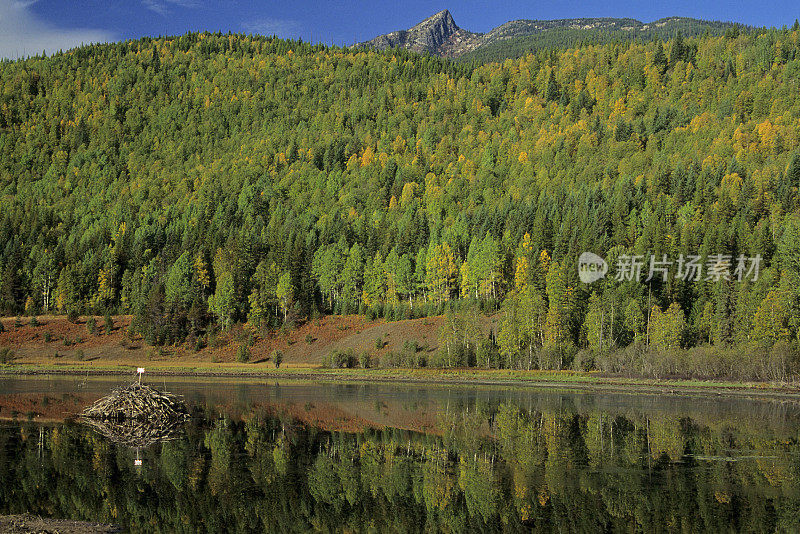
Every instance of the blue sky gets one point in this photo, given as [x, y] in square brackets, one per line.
[30, 26]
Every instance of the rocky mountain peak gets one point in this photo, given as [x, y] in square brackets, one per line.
[437, 35]
[442, 20]
[433, 32]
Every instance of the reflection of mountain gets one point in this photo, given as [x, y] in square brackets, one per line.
[554, 469]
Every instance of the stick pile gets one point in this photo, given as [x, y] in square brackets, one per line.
[137, 415]
[133, 433]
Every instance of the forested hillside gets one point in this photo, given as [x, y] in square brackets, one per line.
[527, 36]
[204, 180]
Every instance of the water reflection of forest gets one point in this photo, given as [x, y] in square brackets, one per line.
[491, 469]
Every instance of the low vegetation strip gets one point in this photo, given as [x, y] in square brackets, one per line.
[568, 380]
[433, 347]
[28, 523]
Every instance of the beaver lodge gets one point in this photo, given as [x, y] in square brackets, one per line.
[137, 415]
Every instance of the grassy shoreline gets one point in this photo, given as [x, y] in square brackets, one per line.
[568, 380]
[115, 354]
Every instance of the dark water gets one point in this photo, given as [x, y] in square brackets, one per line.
[305, 457]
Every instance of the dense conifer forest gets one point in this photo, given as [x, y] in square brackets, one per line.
[572, 33]
[205, 180]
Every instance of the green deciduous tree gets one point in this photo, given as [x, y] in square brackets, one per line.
[285, 293]
[667, 328]
[222, 302]
[561, 302]
[178, 289]
[352, 275]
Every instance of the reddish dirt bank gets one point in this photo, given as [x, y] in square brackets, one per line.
[346, 416]
[31, 524]
[56, 340]
[43, 407]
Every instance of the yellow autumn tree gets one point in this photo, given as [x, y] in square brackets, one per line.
[407, 194]
[666, 328]
[467, 283]
[770, 319]
[105, 288]
[201, 272]
[521, 272]
[368, 157]
[441, 272]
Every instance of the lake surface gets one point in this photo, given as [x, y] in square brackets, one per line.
[304, 456]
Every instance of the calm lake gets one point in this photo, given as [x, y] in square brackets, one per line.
[305, 456]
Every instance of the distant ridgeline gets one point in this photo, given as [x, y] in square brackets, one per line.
[571, 33]
[439, 35]
[205, 180]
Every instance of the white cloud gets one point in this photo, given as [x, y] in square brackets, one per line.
[23, 34]
[162, 6]
[269, 26]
